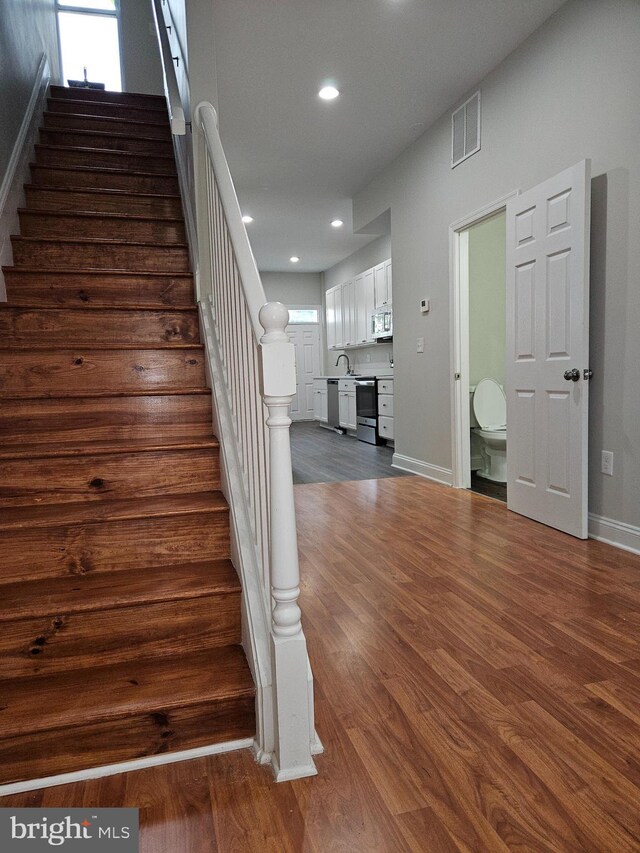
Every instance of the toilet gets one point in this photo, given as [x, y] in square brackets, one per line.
[490, 409]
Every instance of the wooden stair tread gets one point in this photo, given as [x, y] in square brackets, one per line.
[133, 123]
[99, 170]
[131, 306]
[98, 214]
[105, 95]
[96, 512]
[124, 690]
[47, 146]
[98, 241]
[109, 392]
[102, 590]
[102, 448]
[116, 193]
[85, 134]
[54, 101]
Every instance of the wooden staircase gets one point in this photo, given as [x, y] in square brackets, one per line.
[119, 606]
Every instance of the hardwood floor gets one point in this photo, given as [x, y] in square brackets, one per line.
[321, 455]
[477, 689]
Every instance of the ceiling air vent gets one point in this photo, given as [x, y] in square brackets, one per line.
[465, 130]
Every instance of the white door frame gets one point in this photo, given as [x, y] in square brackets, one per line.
[459, 337]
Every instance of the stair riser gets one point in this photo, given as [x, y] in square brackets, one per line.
[39, 198]
[97, 108]
[132, 98]
[59, 255]
[79, 372]
[65, 750]
[61, 225]
[43, 328]
[106, 125]
[78, 178]
[95, 478]
[87, 419]
[64, 641]
[79, 289]
[51, 136]
[108, 159]
[112, 546]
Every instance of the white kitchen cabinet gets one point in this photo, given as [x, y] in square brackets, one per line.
[385, 409]
[385, 428]
[382, 284]
[320, 400]
[347, 404]
[365, 305]
[349, 307]
[334, 318]
[385, 405]
[349, 313]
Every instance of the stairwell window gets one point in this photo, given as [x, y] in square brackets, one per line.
[89, 38]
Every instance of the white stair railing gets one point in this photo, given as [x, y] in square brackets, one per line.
[252, 366]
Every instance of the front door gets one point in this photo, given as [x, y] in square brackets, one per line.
[548, 350]
[306, 340]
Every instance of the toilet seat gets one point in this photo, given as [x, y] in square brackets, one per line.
[490, 406]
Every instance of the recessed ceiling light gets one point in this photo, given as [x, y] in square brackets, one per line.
[328, 93]
[294, 259]
[247, 219]
[337, 223]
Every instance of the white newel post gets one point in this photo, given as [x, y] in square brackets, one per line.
[293, 705]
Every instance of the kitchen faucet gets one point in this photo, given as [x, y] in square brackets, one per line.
[344, 355]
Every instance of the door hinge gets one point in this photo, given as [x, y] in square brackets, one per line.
[587, 373]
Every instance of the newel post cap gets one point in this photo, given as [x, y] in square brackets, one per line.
[274, 319]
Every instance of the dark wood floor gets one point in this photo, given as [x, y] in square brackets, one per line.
[477, 684]
[482, 486]
[321, 455]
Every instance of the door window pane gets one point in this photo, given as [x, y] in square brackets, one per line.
[303, 315]
[91, 42]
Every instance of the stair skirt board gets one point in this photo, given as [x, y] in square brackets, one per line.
[109, 465]
[125, 767]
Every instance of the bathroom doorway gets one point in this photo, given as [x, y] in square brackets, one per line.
[478, 311]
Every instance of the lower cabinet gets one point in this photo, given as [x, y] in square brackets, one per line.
[347, 404]
[385, 409]
[320, 400]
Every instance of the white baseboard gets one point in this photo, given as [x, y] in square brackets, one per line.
[124, 767]
[617, 533]
[11, 187]
[422, 469]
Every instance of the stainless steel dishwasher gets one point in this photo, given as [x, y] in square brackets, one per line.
[333, 404]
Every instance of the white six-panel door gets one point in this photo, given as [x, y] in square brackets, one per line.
[548, 337]
[306, 340]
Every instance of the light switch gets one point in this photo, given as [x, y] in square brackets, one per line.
[420, 346]
[425, 306]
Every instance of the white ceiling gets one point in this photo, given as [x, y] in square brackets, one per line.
[399, 64]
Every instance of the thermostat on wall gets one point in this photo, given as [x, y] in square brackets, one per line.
[425, 306]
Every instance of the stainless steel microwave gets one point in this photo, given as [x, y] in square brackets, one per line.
[382, 324]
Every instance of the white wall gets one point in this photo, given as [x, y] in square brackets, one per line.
[569, 92]
[487, 299]
[139, 48]
[293, 288]
[27, 30]
[363, 359]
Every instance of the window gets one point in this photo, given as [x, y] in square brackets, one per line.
[89, 39]
[303, 315]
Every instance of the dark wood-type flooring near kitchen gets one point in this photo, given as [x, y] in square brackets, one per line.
[477, 689]
[320, 455]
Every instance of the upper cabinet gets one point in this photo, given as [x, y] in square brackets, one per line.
[349, 307]
[382, 284]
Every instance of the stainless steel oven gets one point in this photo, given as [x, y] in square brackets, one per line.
[367, 410]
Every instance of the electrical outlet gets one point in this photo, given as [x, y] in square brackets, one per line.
[367, 357]
[607, 462]
[420, 345]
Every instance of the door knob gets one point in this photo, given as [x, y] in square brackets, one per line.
[572, 375]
